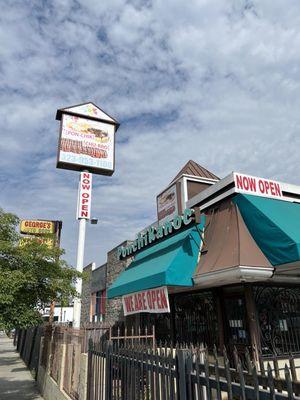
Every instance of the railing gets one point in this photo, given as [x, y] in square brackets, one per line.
[56, 352]
[95, 332]
[74, 345]
[124, 335]
[28, 342]
[62, 351]
[139, 373]
[139, 368]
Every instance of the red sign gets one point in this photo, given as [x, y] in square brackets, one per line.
[84, 196]
[151, 301]
[257, 186]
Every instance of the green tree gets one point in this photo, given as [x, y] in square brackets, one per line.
[31, 275]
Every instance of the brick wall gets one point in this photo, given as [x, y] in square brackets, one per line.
[114, 310]
[86, 294]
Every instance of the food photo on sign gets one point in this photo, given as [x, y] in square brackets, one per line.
[86, 142]
[167, 204]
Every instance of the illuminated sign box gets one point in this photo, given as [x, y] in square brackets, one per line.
[167, 204]
[49, 242]
[43, 231]
[87, 139]
[38, 227]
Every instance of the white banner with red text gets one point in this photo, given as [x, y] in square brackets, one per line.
[258, 186]
[84, 196]
[150, 301]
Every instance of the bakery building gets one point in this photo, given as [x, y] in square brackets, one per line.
[221, 265]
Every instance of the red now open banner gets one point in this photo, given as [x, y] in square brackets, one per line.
[151, 301]
[257, 186]
[84, 196]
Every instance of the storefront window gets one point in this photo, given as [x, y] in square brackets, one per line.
[196, 318]
[278, 312]
[161, 323]
[193, 319]
[236, 321]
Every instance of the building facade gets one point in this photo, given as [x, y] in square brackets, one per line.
[95, 306]
[221, 265]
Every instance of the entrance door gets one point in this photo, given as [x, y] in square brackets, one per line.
[235, 321]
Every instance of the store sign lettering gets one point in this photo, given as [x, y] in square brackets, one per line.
[257, 186]
[151, 301]
[153, 234]
[37, 227]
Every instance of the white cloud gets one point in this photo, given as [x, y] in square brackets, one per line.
[214, 81]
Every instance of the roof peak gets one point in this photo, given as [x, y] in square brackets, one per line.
[89, 109]
[193, 168]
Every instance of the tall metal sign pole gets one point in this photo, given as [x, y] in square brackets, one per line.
[79, 267]
[83, 215]
[86, 144]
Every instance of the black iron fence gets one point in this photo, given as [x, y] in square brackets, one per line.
[137, 369]
[28, 343]
[163, 373]
[278, 312]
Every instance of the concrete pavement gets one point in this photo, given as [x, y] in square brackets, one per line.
[16, 382]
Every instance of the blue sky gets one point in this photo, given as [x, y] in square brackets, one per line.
[214, 81]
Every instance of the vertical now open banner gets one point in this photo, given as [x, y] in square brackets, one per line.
[84, 196]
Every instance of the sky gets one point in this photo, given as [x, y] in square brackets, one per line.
[216, 81]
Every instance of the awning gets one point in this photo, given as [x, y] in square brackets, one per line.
[228, 243]
[274, 225]
[170, 262]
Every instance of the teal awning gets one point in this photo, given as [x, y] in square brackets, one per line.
[274, 225]
[170, 262]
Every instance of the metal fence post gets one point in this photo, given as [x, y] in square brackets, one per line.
[182, 356]
[108, 383]
[90, 372]
[33, 339]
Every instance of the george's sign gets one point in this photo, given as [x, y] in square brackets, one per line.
[257, 186]
[38, 227]
[151, 301]
[84, 196]
[49, 242]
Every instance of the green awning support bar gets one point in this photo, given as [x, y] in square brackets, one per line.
[274, 225]
[170, 262]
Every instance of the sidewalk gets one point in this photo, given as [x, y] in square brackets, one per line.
[16, 382]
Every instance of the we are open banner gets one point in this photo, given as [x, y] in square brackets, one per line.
[151, 301]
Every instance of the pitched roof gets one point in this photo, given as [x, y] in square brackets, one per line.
[87, 109]
[192, 168]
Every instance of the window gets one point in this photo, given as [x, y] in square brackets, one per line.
[278, 313]
[98, 305]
